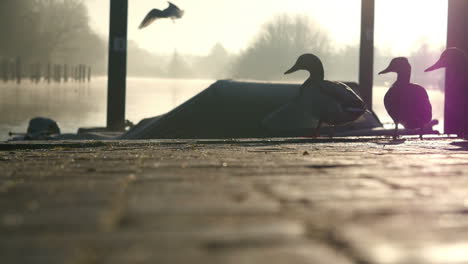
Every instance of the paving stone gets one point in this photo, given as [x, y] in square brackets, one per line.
[351, 200]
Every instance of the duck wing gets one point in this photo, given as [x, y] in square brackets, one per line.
[343, 95]
[421, 108]
[408, 105]
[152, 16]
[295, 114]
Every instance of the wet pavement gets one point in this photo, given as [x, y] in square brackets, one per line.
[350, 200]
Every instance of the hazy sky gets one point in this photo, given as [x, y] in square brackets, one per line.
[234, 23]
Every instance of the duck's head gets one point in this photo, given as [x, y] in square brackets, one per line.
[450, 57]
[310, 63]
[398, 65]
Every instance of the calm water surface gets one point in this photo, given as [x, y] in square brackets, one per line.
[75, 105]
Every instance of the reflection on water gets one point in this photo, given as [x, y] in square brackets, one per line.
[75, 105]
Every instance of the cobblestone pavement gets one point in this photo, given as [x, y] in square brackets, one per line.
[351, 200]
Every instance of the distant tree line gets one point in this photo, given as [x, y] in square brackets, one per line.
[44, 31]
[281, 40]
[58, 31]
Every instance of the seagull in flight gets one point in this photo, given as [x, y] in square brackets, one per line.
[172, 11]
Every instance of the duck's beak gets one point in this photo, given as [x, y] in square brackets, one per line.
[387, 70]
[439, 64]
[293, 69]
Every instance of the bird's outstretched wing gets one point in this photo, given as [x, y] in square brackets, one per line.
[173, 11]
[151, 16]
[171, 5]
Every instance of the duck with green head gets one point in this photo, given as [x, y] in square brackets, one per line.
[406, 103]
[333, 103]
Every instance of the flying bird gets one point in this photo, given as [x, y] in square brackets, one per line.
[319, 100]
[172, 11]
[406, 103]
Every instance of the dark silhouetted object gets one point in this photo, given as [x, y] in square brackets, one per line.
[65, 73]
[333, 103]
[456, 94]
[117, 66]
[366, 51]
[41, 128]
[48, 73]
[406, 103]
[5, 70]
[235, 109]
[18, 71]
[172, 11]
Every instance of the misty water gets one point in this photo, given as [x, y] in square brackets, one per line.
[75, 105]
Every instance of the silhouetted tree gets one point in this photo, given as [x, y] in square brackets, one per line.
[54, 30]
[178, 68]
[214, 65]
[278, 45]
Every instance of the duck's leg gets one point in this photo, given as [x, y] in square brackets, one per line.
[395, 132]
[421, 132]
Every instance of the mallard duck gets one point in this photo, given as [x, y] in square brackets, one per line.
[333, 103]
[172, 11]
[406, 103]
[456, 93]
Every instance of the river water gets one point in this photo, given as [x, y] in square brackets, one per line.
[75, 105]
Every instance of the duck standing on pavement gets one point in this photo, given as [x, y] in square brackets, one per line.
[172, 11]
[456, 90]
[333, 103]
[406, 103]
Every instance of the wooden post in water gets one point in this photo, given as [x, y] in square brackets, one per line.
[48, 71]
[65, 73]
[83, 72]
[4, 70]
[89, 73]
[54, 75]
[38, 72]
[80, 73]
[366, 52]
[31, 72]
[18, 71]
[117, 68]
[12, 70]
